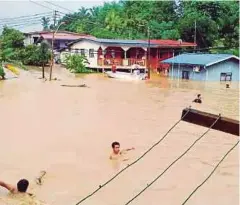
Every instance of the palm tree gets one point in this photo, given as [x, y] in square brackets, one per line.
[113, 21]
[83, 13]
[45, 23]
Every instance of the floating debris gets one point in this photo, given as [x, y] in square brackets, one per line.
[39, 179]
[78, 86]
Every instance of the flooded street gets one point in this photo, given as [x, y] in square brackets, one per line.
[68, 133]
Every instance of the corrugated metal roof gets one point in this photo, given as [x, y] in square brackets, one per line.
[199, 59]
[120, 41]
[172, 43]
[133, 43]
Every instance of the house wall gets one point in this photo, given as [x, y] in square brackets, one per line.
[27, 40]
[176, 72]
[230, 65]
[88, 45]
[212, 74]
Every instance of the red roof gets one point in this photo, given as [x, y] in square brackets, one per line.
[172, 43]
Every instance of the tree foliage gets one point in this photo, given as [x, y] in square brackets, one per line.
[11, 44]
[216, 21]
[45, 23]
[2, 73]
[77, 63]
[12, 49]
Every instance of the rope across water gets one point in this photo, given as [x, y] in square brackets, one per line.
[134, 162]
[152, 182]
[195, 190]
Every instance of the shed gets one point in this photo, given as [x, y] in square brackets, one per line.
[204, 67]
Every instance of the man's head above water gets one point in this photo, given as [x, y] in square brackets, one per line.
[22, 185]
[116, 147]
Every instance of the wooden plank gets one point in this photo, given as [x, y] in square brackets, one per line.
[205, 119]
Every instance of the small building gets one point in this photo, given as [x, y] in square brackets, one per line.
[204, 67]
[102, 53]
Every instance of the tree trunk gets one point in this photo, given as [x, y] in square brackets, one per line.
[43, 73]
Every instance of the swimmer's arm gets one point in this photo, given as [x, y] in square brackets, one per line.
[127, 150]
[7, 186]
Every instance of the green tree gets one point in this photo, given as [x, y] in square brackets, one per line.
[216, 21]
[11, 44]
[2, 73]
[77, 63]
[45, 23]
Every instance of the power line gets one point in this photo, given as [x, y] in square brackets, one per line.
[134, 162]
[21, 24]
[212, 172]
[186, 151]
[22, 21]
[40, 4]
[59, 6]
[19, 17]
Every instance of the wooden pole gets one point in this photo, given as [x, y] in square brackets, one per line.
[148, 57]
[52, 57]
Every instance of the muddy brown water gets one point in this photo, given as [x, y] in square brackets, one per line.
[68, 132]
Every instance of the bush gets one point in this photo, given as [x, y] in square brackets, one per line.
[77, 63]
[2, 73]
[35, 55]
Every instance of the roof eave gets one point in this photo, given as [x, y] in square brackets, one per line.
[212, 63]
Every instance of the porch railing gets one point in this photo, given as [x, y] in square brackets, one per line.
[121, 62]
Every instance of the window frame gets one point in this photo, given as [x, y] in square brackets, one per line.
[82, 52]
[224, 76]
[91, 53]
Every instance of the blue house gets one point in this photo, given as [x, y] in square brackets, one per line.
[204, 67]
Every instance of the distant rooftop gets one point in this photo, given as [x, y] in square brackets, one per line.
[172, 43]
[199, 59]
[60, 35]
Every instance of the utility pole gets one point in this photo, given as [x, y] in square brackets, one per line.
[54, 18]
[148, 52]
[195, 34]
[53, 36]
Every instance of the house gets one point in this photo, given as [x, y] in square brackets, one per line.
[102, 53]
[204, 67]
[61, 38]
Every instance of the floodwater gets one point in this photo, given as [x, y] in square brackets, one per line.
[68, 133]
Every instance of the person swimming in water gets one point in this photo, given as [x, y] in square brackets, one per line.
[21, 187]
[198, 99]
[116, 152]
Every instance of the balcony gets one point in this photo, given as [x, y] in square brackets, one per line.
[121, 62]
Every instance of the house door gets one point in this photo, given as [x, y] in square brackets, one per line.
[185, 74]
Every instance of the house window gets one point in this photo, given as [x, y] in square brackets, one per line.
[91, 53]
[76, 51]
[82, 51]
[226, 77]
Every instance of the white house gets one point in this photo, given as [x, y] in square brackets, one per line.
[103, 53]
